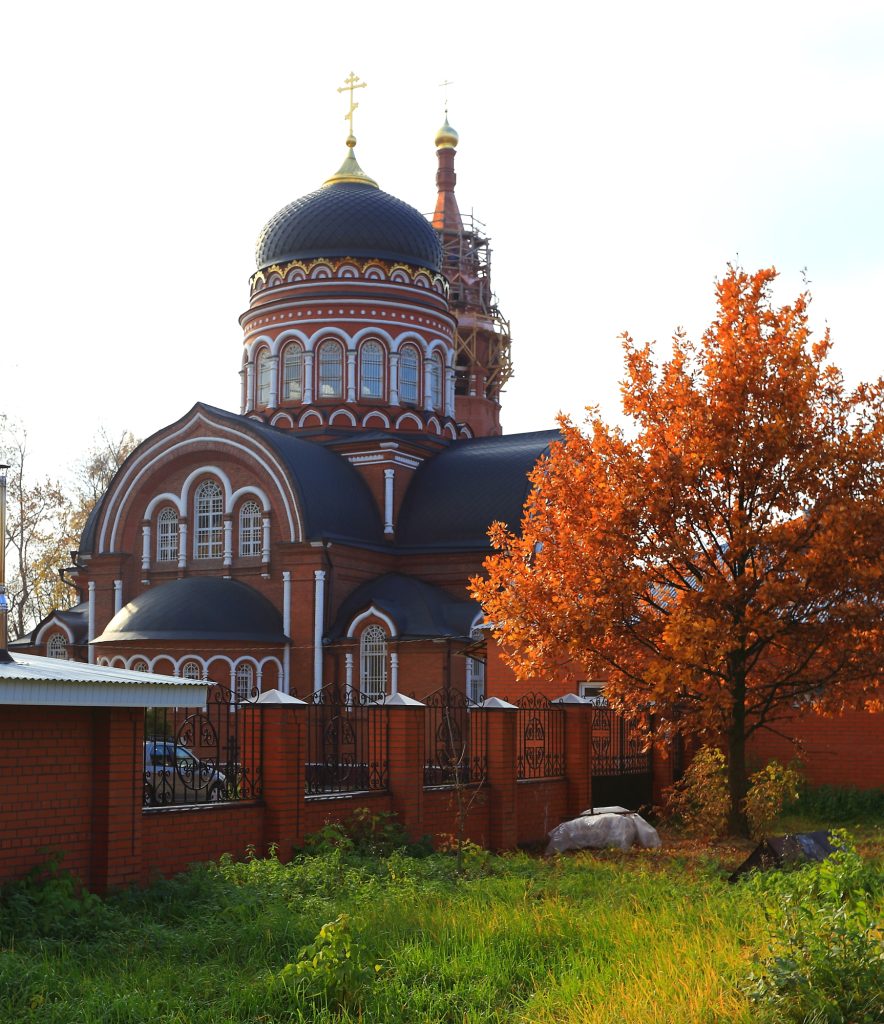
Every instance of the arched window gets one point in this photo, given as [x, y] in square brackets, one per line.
[331, 370]
[191, 670]
[293, 373]
[244, 681]
[263, 377]
[139, 666]
[373, 662]
[167, 535]
[250, 529]
[57, 646]
[409, 366]
[371, 370]
[208, 541]
[475, 673]
[436, 381]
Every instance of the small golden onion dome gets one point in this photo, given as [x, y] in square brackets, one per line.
[446, 137]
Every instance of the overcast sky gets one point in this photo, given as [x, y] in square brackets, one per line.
[619, 156]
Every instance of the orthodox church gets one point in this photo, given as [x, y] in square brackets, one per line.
[325, 532]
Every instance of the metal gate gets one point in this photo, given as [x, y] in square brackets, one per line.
[621, 770]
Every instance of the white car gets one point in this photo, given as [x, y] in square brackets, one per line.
[175, 775]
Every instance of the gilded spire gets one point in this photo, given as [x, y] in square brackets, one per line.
[350, 169]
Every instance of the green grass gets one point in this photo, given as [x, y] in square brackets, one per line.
[642, 937]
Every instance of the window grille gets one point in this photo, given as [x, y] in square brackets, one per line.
[371, 370]
[244, 681]
[293, 374]
[209, 539]
[139, 666]
[167, 536]
[250, 529]
[264, 378]
[475, 673]
[57, 646]
[408, 374]
[373, 662]
[191, 670]
[331, 370]
[436, 382]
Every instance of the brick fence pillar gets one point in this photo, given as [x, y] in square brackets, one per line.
[405, 760]
[578, 752]
[117, 796]
[283, 724]
[501, 775]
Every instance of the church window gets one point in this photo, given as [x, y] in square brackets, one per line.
[244, 681]
[139, 666]
[436, 382]
[371, 370]
[409, 363]
[475, 673]
[293, 373]
[57, 646]
[264, 377]
[331, 370]
[250, 529]
[373, 662]
[167, 536]
[209, 537]
[191, 670]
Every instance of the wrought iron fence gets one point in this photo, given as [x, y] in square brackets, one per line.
[617, 745]
[456, 740]
[346, 742]
[540, 738]
[211, 754]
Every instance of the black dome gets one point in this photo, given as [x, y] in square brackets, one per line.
[349, 219]
[197, 608]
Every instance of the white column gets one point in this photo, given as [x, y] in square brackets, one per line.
[265, 541]
[348, 670]
[228, 542]
[428, 383]
[351, 376]
[145, 547]
[394, 673]
[274, 382]
[308, 378]
[287, 629]
[182, 545]
[250, 385]
[91, 628]
[449, 391]
[318, 625]
[118, 596]
[394, 378]
[389, 474]
[242, 391]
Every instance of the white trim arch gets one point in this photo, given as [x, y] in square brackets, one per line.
[375, 613]
[282, 418]
[295, 274]
[342, 412]
[212, 471]
[376, 413]
[376, 333]
[451, 431]
[167, 496]
[323, 334]
[347, 270]
[409, 336]
[255, 343]
[409, 416]
[306, 416]
[284, 337]
[433, 423]
[252, 489]
[439, 345]
[321, 272]
[54, 624]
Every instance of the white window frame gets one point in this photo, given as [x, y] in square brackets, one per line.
[373, 662]
[436, 375]
[57, 647]
[409, 387]
[371, 370]
[167, 535]
[208, 535]
[331, 370]
[251, 530]
[243, 680]
[191, 670]
[293, 373]
[262, 377]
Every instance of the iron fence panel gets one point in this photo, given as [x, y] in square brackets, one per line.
[456, 740]
[540, 738]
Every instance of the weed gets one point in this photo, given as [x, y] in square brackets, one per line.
[769, 790]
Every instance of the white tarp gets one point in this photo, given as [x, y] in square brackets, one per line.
[603, 831]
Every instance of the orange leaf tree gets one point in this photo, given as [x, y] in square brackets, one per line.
[721, 560]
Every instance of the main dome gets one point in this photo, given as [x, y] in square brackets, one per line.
[349, 218]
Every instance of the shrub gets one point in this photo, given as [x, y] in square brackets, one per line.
[769, 790]
[365, 834]
[699, 800]
[838, 803]
[826, 959]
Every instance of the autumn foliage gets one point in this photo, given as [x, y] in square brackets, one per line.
[721, 560]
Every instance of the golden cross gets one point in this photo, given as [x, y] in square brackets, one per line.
[444, 85]
[350, 82]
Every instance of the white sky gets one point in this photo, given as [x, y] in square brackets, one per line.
[620, 155]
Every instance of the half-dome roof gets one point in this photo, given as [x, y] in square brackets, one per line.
[197, 608]
[349, 218]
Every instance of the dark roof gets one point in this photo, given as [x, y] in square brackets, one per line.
[87, 537]
[197, 608]
[418, 609]
[76, 619]
[455, 496]
[349, 219]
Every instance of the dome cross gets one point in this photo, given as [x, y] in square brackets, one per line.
[351, 83]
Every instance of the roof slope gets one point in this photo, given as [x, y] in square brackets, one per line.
[457, 495]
